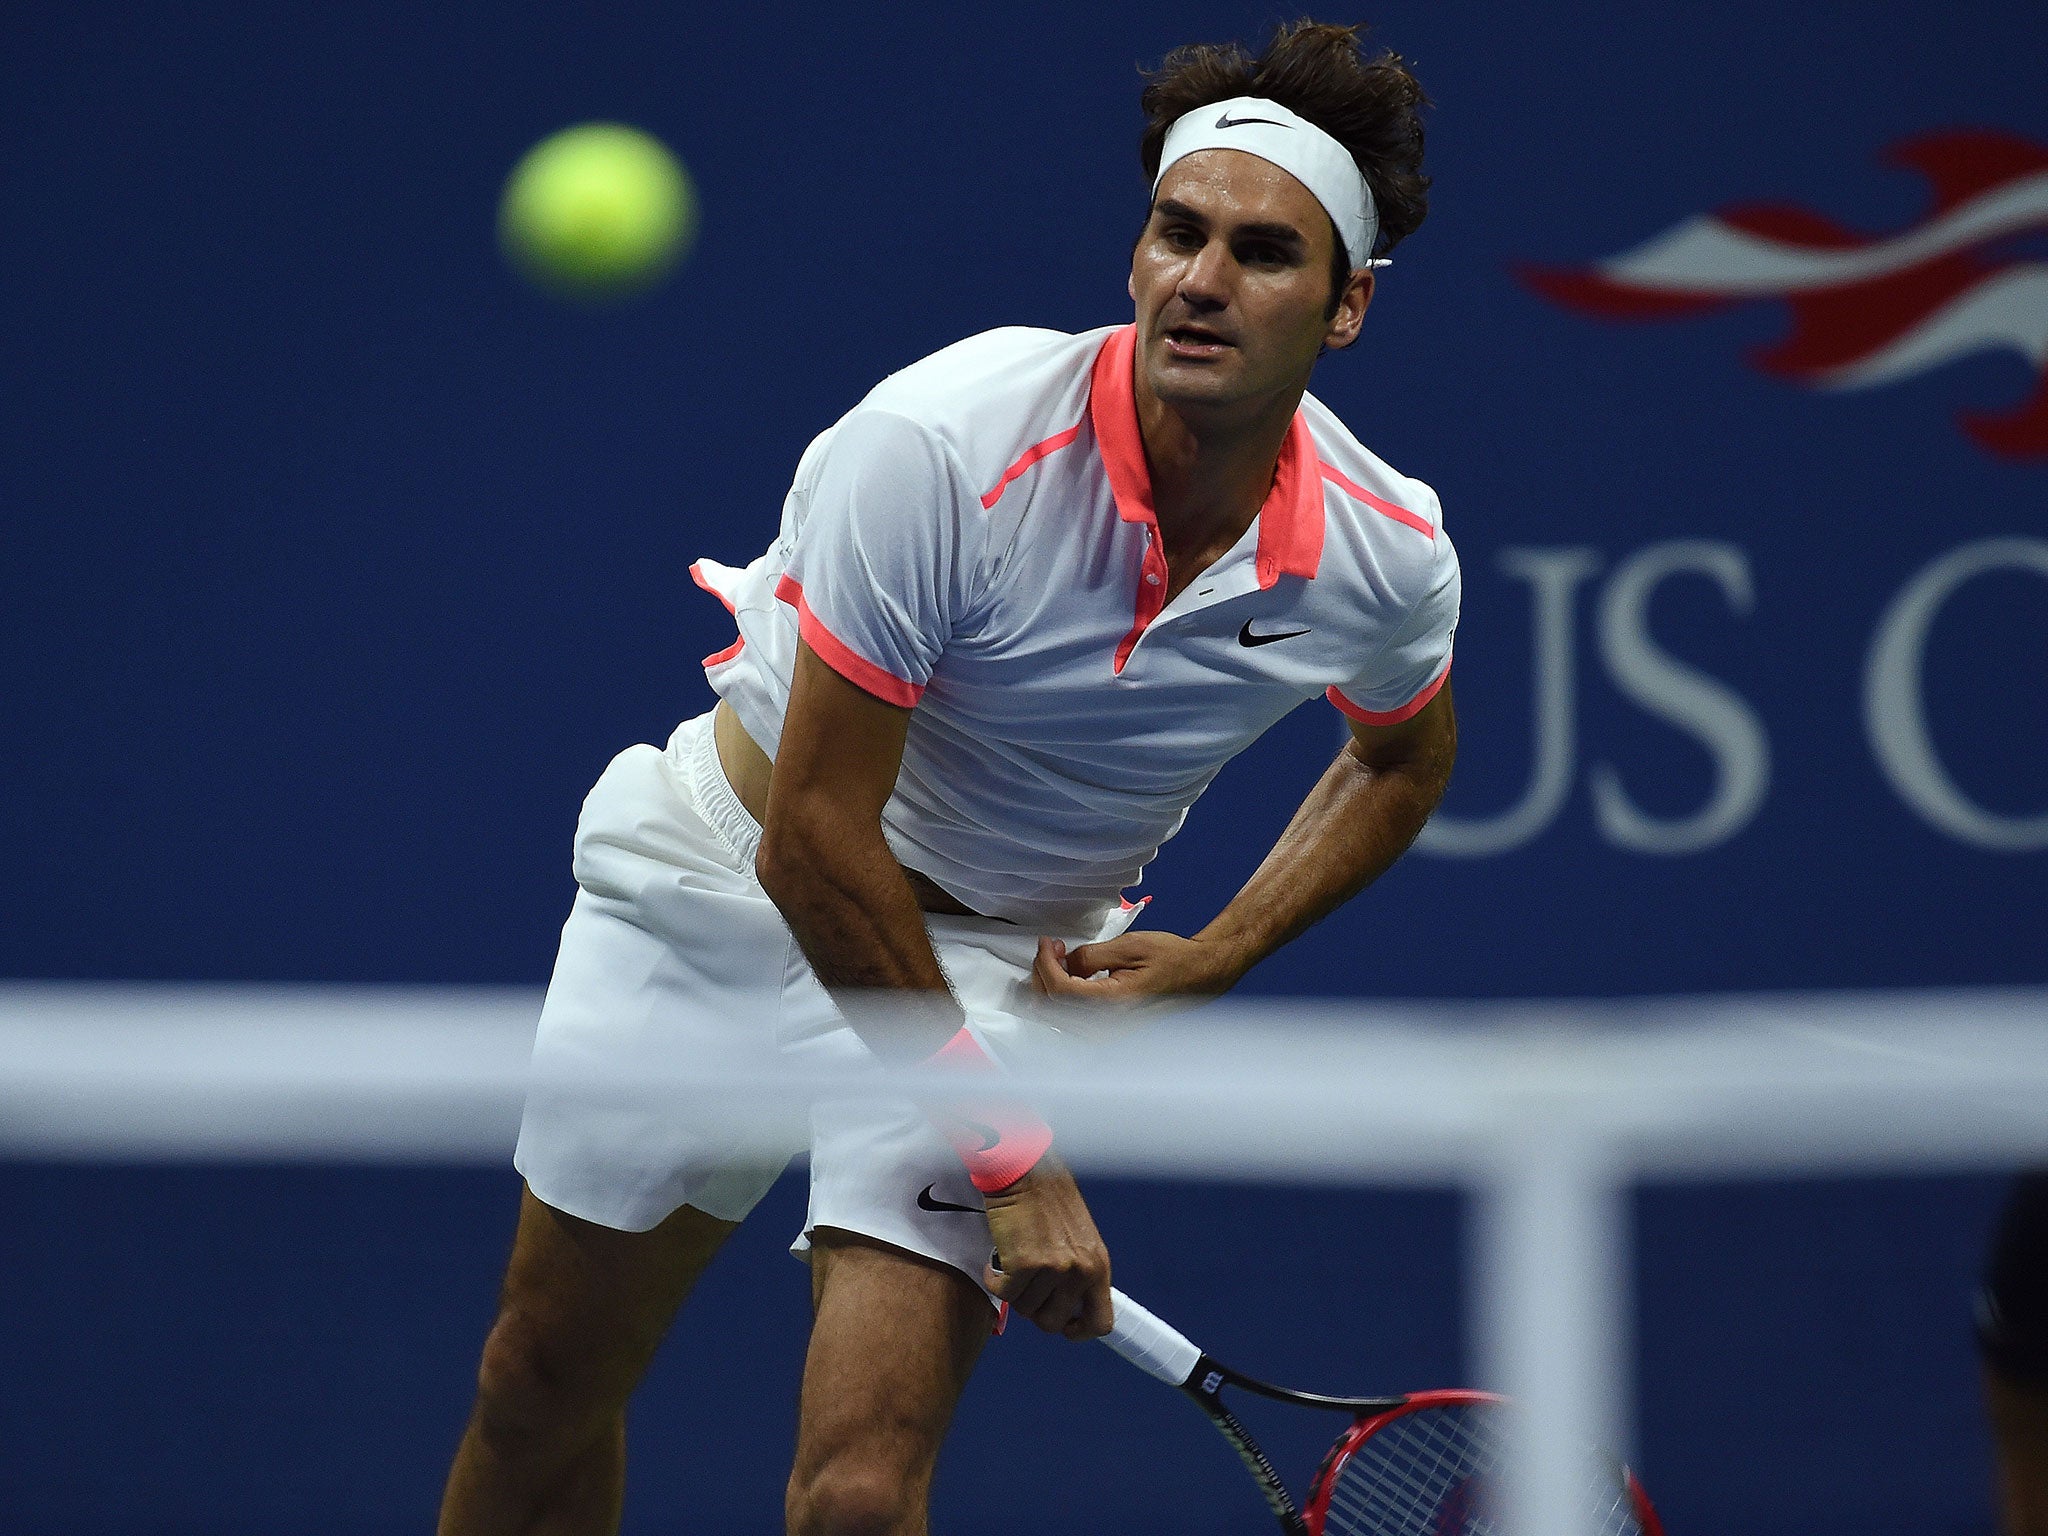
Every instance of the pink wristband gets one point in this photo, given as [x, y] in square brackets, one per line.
[999, 1140]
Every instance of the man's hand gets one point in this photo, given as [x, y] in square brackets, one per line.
[1132, 978]
[1366, 809]
[1050, 1264]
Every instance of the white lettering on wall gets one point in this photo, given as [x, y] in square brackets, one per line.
[1703, 707]
[1553, 576]
[1895, 706]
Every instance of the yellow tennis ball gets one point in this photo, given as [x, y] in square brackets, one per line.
[598, 210]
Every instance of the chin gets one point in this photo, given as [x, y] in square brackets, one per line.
[1184, 384]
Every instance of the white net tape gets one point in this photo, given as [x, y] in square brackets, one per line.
[1547, 1112]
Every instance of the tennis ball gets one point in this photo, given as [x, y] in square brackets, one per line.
[600, 210]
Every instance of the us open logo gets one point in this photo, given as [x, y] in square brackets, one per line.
[1867, 310]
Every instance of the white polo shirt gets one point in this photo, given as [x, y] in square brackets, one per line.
[976, 540]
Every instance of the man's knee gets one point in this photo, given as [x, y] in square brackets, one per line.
[530, 1389]
[853, 1495]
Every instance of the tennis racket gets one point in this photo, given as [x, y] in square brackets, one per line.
[1419, 1464]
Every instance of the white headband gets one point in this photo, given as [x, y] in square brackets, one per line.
[1301, 149]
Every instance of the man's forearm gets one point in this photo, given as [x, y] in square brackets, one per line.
[852, 910]
[1352, 827]
[858, 922]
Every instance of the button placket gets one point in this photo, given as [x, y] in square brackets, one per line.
[1151, 597]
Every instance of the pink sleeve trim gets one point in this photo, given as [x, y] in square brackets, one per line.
[717, 658]
[1379, 504]
[1393, 716]
[840, 656]
[1030, 457]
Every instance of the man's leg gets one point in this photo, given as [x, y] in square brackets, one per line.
[893, 1339]
[582, 1310]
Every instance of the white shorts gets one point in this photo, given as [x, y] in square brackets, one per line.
[671, 946]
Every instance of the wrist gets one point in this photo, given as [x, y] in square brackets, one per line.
[999, 1141]
[1046, 1165]
[1228, 953]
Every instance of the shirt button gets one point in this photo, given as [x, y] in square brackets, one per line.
[1151, 580]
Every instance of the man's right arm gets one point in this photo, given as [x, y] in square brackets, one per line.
[825, 863]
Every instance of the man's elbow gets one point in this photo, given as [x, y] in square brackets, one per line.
[804, 855]
[1423, 758]
[1445, 756]
[784, 854]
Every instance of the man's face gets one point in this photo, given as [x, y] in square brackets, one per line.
[1231, 278]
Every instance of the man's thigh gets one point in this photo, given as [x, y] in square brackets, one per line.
[893, 1340]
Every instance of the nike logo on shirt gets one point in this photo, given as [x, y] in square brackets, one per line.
[1246, 637]
[925, 1202]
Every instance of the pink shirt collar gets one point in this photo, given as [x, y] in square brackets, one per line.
[1291, 520]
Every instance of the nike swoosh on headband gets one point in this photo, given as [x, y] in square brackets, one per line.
[1246, 637]
[1227, 121]
[925, 1202]
[1308, 153]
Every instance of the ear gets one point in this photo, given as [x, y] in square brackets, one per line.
[1351, 308]
[1131, 286]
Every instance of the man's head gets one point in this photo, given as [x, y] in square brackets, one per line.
[1241, 276]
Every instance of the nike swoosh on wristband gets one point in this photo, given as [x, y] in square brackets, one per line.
[991, 1138]
[925, 1202]
[1246, 637]
[1227, 121]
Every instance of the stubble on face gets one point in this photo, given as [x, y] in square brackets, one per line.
[1232, 287]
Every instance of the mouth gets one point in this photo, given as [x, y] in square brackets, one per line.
[1194, 343]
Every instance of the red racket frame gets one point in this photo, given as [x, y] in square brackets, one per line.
[1317, 1510]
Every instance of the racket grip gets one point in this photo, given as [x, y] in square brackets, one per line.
[1152, 1346]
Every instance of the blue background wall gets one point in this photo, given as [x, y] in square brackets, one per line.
[335, 563]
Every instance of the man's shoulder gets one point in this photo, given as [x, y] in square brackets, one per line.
[1379, 499]
[981, 393]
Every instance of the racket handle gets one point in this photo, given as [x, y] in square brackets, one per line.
[1152, 1346]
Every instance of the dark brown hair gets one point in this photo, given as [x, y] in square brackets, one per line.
[1372, 106]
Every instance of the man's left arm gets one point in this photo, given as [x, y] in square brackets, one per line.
[1360, 817]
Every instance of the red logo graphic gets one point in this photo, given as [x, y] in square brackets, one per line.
[1866, 310]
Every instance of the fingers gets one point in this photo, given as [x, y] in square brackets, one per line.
[1049, 969]
[1053, 1295]
[1037, 1298]
[1096, 1314]
[1050, 1264]
[1109, 955]
[1081, 1309]
[1071, 1302]
[1088, 970]
[1055, 961]
[1067, 1294]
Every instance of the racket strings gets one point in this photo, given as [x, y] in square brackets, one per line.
[1410, 1478]
[1433, 1473]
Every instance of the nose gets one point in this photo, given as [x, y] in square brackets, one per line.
[1205, 280]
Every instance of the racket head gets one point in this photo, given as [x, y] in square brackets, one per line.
[1425, 1469]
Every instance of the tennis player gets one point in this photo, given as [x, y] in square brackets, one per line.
[1028, 597]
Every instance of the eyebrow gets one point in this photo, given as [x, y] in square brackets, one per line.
[1284, 234]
